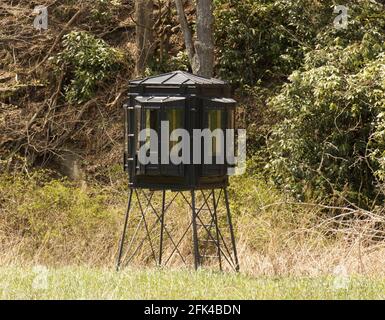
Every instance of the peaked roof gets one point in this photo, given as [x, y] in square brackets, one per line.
[177, 78]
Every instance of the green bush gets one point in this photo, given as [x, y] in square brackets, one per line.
[169, 64]
[89, 61]
[266, 39]
[331, 138]
[55, 220]
[102, 10]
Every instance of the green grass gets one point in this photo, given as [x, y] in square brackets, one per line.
[85, 283]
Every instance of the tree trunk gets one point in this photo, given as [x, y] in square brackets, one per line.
[201, 53]
[187, 34]
[144, 33]
[204, 45]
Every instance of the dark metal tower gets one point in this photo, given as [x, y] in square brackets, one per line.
[209, 227]
[172, 206]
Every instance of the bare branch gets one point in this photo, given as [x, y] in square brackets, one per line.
[187, 34]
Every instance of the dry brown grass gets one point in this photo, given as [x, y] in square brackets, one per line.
[52, 222]
[309, 259]
[351, 241]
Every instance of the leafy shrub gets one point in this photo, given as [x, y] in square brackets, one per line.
[102, 10]
[331, 138]
[56, 221]
[89, 60]
[265, 39]
[169, 64]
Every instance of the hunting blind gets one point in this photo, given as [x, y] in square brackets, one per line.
[191, 103]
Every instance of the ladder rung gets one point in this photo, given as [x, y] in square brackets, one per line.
[204, 225]
[210, 240]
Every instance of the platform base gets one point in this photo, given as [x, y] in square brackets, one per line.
[169, 227]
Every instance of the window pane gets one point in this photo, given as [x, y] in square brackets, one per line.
[175, 118]
[151, 122]
[215, 122]
[151, 119]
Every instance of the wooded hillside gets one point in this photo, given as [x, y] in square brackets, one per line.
[311, 91]
[309, 76]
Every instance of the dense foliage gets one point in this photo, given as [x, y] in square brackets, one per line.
[331, 136]
[311, 94]
[316, 117]
[90, 60]
[265, 40]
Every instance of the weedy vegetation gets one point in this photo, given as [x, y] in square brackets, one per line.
[309, 215]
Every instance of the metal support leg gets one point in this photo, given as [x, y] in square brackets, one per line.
[195, 232]
[143, 213]
[231, 230]
[162, 227]
[124, 230]
[215, 217]
[229, 253]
